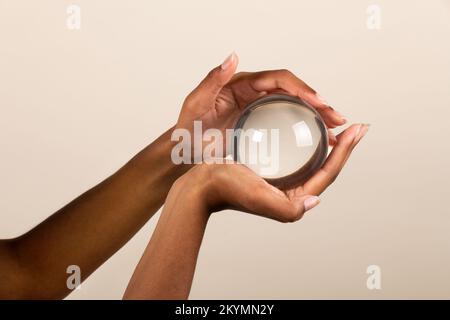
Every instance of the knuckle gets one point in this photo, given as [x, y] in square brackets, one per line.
[285, 73]
[258, 188]
[215, 171]
[189, 100]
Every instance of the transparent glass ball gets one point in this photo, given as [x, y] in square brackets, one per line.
[282, 139]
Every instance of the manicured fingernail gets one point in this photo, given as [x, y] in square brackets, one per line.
[358, 129]
[228, 61]
[344, 120]
[361, 131]
[311, 202]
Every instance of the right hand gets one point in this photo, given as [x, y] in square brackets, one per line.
[215, 187]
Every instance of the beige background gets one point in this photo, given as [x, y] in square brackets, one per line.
[75, 105]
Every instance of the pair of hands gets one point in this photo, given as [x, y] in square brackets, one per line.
[218, 101]
[167, 266]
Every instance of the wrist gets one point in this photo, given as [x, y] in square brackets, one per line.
[154, 163]
[196, 188]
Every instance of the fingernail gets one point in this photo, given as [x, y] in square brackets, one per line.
[311, 202]
[228, 61]
[361, 131]
[344, 120]
[358, 129]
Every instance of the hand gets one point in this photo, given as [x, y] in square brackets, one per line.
[167, 266]
[236, 186]
[219, 99]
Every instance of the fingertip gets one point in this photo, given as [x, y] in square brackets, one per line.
[332, 117]
[363, 128]
[339, 119]
[331, 138]
[217, 78]
[311, 202]
[353, 134]
[230, 62]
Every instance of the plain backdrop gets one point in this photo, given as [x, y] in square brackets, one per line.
[77, 104]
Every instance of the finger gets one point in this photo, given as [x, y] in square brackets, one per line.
[331, 117]
[331, 138]
[244, 190]
[287, 81]
[328, 114]
[263, 202]
[216, 79]
[346, 141]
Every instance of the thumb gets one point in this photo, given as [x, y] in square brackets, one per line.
[216, 79]
[306, 202]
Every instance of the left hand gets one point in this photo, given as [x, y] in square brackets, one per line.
[219, 99]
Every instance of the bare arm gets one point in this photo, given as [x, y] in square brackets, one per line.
[167, 266]
[94, 226]
[90, 229]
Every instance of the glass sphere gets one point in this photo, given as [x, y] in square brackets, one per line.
[282, 139]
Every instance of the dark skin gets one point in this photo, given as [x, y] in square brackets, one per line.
[91, 228]
[167, 266]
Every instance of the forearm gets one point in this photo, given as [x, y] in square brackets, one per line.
[167, 266]
[94, 226]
